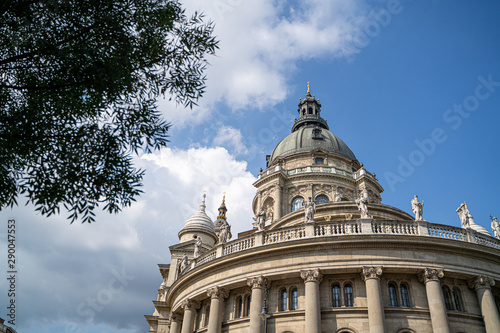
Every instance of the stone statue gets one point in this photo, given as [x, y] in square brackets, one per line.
[495, 225]
[362, 203]
[465, 216]
[184, 263]
[310, 209]
[224, 232]
[417, 208]
[197, 247]
[337, 196]
[260, 219]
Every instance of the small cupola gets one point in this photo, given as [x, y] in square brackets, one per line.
[309, 112]
[199, 225]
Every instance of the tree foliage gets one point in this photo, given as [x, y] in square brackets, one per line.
[78, 85]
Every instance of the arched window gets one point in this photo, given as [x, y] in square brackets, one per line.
[336, 296]
[392, 295]
[284, 299]
[348, 300]
[310, 110]
[239, 307]
[247, 310]
[447, 298]
[321, 199]
[405, 299]
[457, 298]
[297, 203]
[295, 299]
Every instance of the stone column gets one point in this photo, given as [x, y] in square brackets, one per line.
[189, 308]
[217, 296]
[482, 284]
[256, 284]
[376, 317]
[437, 308]
[174, 323]
[312, 278]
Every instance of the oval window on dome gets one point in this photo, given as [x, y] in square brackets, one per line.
[320, 199]
[297, 203]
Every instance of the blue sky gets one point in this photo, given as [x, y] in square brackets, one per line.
[386, 83]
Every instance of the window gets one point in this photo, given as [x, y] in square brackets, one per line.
[321, 199]
[239, 307]
[348, 300]
[297, 203]
[310, 111]
[247, 311]
[295, 299]
[447, 298]
[284, 299]
[392, 295]
[457, 298]
[319, 160]
[336, 296]
[207, 315]
[405, 299]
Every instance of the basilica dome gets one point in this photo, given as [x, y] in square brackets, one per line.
[308, 138]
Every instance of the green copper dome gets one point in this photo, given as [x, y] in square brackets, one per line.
[310, 132]
[308, 138]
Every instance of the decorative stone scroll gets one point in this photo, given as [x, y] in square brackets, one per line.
[481, 281]
[311, 275]
[217, 292]
[255, 282]
[430, 274]
[372, 272]
[190, 304]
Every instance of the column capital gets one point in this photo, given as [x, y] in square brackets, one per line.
[256, 282]
[371, 272]
[217, 292]
[173, 316]
[481, 282]
[189, 304]
[430, 274]
[311, 275]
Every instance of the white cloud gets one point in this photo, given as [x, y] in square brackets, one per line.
[230, 137]
[261, 43]
[65, 269]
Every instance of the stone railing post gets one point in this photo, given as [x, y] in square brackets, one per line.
[217, 296]
[423, 227]
[259, 237]
[189, 308]
[219, 250]
[312, 279]
[482, 284]
[309, 229]
[257, 285]
[437, 308]
[174, 323]
[366, 226]
[376, 316]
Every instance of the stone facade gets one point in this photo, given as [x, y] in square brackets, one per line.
[340, 273]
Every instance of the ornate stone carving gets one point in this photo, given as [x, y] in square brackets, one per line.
[311, 275]
[430, 274]
[184, 264]
[337, 197]
[256, 282]
[310, 209]
[371, 272]
[197, 247]
[362, 203]
[495, 226]
[224, 232]
[417, 208]
[217, 292]
[260, 219]
[481, 281]
[465, 216]
[190, 304]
